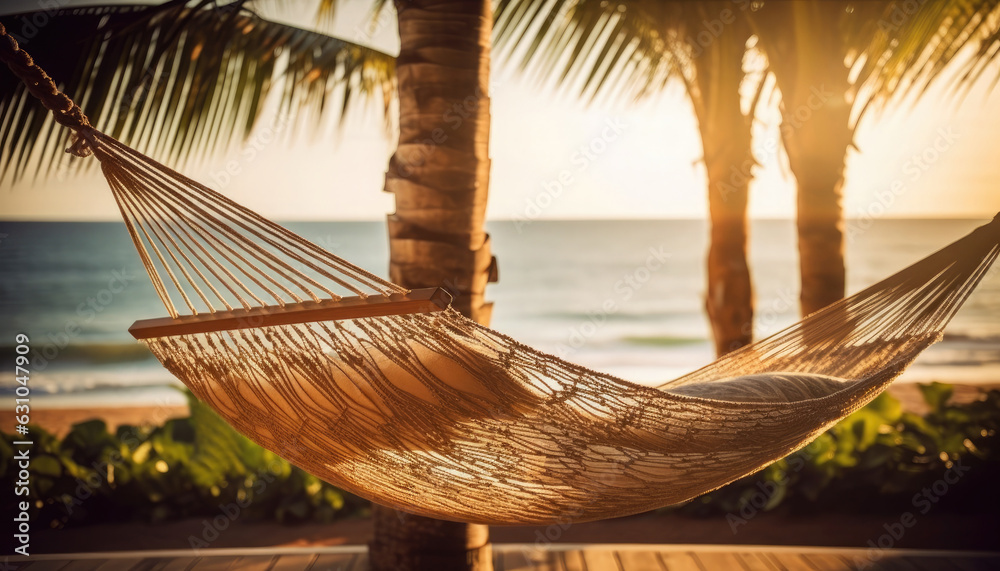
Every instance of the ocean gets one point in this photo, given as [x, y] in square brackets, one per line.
[623, 297]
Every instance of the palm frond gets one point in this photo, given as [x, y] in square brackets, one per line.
[178, 82]
[630, 47]
[619, 48]
[903, 47]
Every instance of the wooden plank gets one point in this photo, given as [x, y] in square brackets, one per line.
[678, 560]
[601, 560]
[828, 562]
[788, 561]
[638, 560]
[497, 560]
[515, 560]
[857, 560]
[719, 560]
[120, 564]
[144, 564]
[83, 565]
[296, 562]
[425, 300]
[533, 559]
[254, 563]
[165, 564]
[936, 564]
[335, 562]
[215, 563]
[573, 561]
[755, 561]
[585, 559]
[178, 564]
[45, 565]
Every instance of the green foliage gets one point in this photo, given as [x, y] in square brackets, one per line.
[199, 466]
[632, 48]
[178, 81]
[188, 467]
[878, 457]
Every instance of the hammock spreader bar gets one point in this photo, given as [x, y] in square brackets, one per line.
[425, 300]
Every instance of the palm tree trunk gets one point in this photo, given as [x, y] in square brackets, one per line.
[441, 168]
[729, 299]
[408, 542]
[820, 219]
[817, 153]
[725, 135]
[809, 70]
[439, 175]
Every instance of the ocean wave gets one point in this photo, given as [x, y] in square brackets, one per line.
[621, 315]
[86, 353]
[970, 338]
[662, 340]
[81, 388]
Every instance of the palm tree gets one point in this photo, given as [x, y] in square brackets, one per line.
[639, 46]
[833, 62]
[440, 170]
[714, 89]
[178, 81]
[174, 82]
[440, 177]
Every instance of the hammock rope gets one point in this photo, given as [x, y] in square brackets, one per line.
[394, 396]
[64, 110]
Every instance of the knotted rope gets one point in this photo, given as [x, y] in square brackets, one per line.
[39, 84]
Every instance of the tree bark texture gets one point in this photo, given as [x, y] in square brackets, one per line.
[725, 134]
[808, 63]
[439, 175]
[441, 168]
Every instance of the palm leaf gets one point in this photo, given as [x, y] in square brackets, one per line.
[617, 48]
[178, 82]
[908, 57]
[894, 46]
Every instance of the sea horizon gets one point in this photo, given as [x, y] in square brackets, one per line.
[555, 277]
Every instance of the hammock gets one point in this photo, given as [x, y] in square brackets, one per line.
[394, 396]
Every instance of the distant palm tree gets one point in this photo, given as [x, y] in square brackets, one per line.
[178, 81]
[832, 61]
[632, 48]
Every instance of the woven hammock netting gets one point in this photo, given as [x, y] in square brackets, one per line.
[433, 414]
[439, 416]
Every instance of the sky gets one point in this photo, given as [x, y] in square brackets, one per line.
[554, 157]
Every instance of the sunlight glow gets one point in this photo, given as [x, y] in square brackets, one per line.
[555, 157]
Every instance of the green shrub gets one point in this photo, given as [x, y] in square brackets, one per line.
[874, 459]
[187, 467]
[197, 466]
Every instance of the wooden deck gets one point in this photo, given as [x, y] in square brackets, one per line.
[518, 557]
